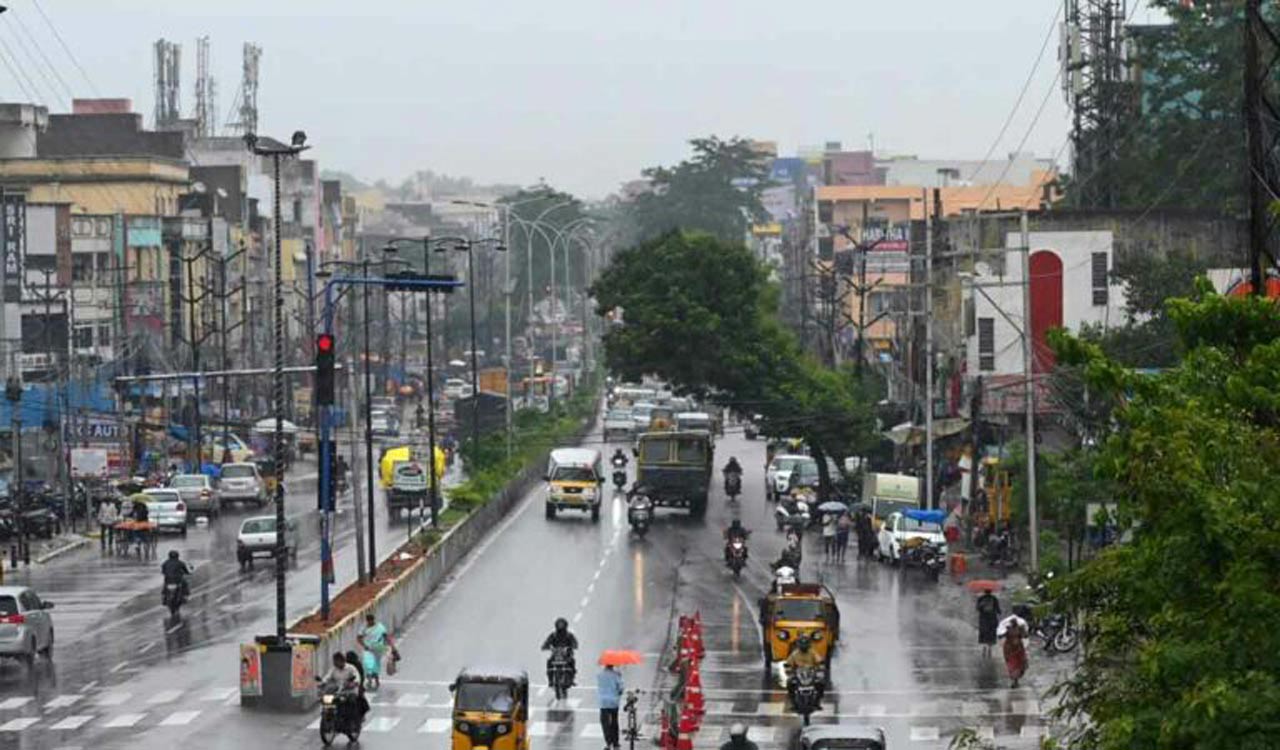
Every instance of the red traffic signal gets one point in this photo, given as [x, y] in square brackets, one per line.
[324, 343]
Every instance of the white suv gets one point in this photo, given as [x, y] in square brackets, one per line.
[777, 477]
[898, 528]
[243, 483]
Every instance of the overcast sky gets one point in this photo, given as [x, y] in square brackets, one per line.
[583, 93]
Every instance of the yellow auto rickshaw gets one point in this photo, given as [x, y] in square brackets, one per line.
[797, 609]
[490, 709]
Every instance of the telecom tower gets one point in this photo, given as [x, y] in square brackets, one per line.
[1092, 57]
[248, 122]
[206, 92]
[168, 68]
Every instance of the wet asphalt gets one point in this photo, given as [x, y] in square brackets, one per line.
[908, 661]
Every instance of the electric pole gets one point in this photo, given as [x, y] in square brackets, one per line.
[1260, 50]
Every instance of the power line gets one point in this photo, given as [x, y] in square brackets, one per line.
[40, 50]
[33, 63]
[19, 79]
[62, 43]
[1026, 135]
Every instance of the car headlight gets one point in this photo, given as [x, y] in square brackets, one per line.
[815, 635]
[501, 729]
[783, 635]
[464, 727]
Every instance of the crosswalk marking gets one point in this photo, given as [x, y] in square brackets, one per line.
[218, 694]
[380, 724]
[771, 709]
[872, 709]
[1031, 708]
[1027, 731]
[164, 696]
[113, 699]
[72, 722]
[123, 720]
[592, 731]
[924, 734]
[719, 707]
[179, 718]
[314, 725]
[63, 701]
[541, 728]
[412, 700]
[11, 703]
[17, 725]
[435, 726]
[987, 733]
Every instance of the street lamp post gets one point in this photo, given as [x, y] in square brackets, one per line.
[296, 146]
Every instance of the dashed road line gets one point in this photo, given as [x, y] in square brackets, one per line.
[179, 718]
[72, 722]
[17, 725]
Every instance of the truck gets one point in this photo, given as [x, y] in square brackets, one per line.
[890, 493]
[673, 469]
[410, 487]
[493, 380]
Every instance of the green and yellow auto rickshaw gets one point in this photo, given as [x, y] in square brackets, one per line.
[490, 709]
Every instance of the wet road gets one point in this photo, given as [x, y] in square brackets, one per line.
[908, 660]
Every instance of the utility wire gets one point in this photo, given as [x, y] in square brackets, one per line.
[40, 51]
[61, 42]
[32, 62]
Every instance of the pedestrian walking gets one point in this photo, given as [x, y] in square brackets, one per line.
[866, 537]
[988, 618]
[375, 639]
[108, 516]
[829, 535]
[844, 524]
[609, 695]
[1015, 650]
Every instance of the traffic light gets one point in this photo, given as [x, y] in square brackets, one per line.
[324, 369]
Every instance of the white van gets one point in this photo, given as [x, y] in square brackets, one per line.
[574, 477]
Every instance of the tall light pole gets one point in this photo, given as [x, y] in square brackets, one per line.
[296, 146]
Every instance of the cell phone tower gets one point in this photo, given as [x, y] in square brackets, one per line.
[1093, 79]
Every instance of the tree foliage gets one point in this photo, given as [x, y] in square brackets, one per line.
[1183, 651]
[699, 313]
[1183, 143]
[717, 190]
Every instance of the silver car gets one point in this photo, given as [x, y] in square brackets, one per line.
[26, 627]
[198, 493]
[242, 483]
[166, 510]
[258, 537]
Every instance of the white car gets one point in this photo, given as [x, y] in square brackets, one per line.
[617, 423]
[26, 627]
[641, 414]
[258, 537]
[777, 476]
[166, 509]
[454, 388]
[898, 528]
[242, 482]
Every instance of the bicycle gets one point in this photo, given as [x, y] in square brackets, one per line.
[632, 731]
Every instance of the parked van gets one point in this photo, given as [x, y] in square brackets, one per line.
[574, 477]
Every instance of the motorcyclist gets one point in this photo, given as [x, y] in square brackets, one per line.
[790, 557]
[735, 532]
[801, 657]
[562, 638]
[176, 571]
[732, 467]
[619, 459]
[738, 739]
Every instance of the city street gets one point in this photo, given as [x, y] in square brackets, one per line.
[908, 659]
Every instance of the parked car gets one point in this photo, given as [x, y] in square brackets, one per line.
[199, 493]
[166, 509]
[454, 387]
[26, 627]
[382, 423]
[257, 537]
[842, 737]
[617, 424]
[777, 476]
[241, 482]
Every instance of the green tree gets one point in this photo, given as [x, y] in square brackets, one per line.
[1182, 648]
[717, 190]
[699, 313]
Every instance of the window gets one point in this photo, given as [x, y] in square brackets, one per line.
[104, 335]
[82, 267]
[826, 247]
[826, 212]
[689, 451]
[84, 337]
[1099, 276]
[986, 344]
[655, 451]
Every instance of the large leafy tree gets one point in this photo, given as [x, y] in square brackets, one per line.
[1183, 651]
[717, 190]
[700, 313]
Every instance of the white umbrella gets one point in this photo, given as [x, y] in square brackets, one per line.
[1003, 627]
[269, 425]
[457, 363]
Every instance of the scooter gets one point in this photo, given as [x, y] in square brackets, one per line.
[928, 557]
[640, 514]
[737, 556]
[173, 597]
[792, 512]
[339, 714]
[733, 486]
[619, 478]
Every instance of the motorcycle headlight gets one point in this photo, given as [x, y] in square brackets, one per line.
[464, 727]
[502, 729]
[327, 699]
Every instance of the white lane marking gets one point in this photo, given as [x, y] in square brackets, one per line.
[63, 701]
[314, 725]
[89, 687]
[771, 709]
[10, 703]
[17, 725]
[179, 718]
[577, 618]
[574, 703]
[872, 709]
[591, 589]
[164, 696]
[436, 726]
[591, 731]
[381, 724]
[113, 699]
[412, 700]
[123, 720]
[541, 691]
[222, 598]
[596, 577]
[173, 628]
[924, 734]
[120, 666]
[1031, 708]
[540, 729]
[583, 604]
[147, 647]
[72, 722]
[987, 733]
[1027, 731]
[218, 694]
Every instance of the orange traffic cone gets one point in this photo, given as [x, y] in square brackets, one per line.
[693, 691]
[690, 721]
[696, 630]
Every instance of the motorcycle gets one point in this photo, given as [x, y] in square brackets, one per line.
[733, 485]
[640, 514]
[1000, 551]
[339, 714]
[927, 556]
[619, 478]
[560, 671]
[1057, 630]
[806, 692]
[783, 576]
[792, 512]
[737, 556]
[790, 558]
[173, 597]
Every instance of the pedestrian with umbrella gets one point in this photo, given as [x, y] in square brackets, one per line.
[844, 524]
[1014, 630]
[988, 607]
[609, 690]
